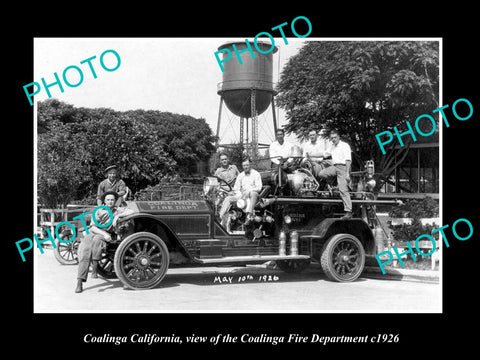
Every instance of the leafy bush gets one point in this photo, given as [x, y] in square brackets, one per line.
[416, 210]
[61, 166]
[75, 145]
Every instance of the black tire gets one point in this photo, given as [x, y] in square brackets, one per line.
[66, 254]
[293, 266]
[106, 268]
[343, 258]
[141, 260]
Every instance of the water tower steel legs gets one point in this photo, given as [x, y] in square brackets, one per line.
[218, 121]
[254, 116]
[251, 148]
[274, 116]
[242, 120]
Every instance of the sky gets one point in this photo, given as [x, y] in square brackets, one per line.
[178, 75]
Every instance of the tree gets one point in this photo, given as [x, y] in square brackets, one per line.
[361, 89]
[61, 167]
[75, 145]
[130, 144]
[187, 140]
[51, 112]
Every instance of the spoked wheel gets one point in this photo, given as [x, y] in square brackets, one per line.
[343, 258]
[66, 254]
[141, 260]
[106, 268]
[293, 266]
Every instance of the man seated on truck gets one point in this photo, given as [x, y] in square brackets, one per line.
[227, 171]
[279, 150]
[91, 246]
[247, 186]
[341, 159]
[316, 149]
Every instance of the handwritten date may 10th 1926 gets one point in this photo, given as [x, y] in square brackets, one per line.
[244, 278]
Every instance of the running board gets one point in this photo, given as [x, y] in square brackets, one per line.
[253, 258]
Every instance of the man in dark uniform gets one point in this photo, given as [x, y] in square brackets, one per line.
[112, 183]
[91, 246]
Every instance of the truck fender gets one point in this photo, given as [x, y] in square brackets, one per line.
[356, 227]
[150, 223]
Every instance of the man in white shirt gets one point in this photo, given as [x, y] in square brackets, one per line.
[316, 149]
[342, 160]
[247, 186]
[279, 149]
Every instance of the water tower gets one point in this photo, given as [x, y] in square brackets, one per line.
[247, 90]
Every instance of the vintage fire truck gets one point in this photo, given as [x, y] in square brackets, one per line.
[297, 221]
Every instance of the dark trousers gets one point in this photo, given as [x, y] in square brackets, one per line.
[90, 248]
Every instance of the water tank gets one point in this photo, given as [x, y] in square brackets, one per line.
[239, 79]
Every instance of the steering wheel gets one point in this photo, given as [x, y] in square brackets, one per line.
[223, 182]
[291, 162]
[307, 164]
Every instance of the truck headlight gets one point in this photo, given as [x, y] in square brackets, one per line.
[210, 184]
[287, 219]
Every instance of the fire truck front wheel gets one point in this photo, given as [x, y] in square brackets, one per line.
[141, 260]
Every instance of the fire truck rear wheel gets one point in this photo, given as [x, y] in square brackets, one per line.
[343, 258]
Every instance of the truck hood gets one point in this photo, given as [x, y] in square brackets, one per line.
[169, 206]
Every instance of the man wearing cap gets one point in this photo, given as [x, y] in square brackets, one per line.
[90, 248]
[111, 183]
